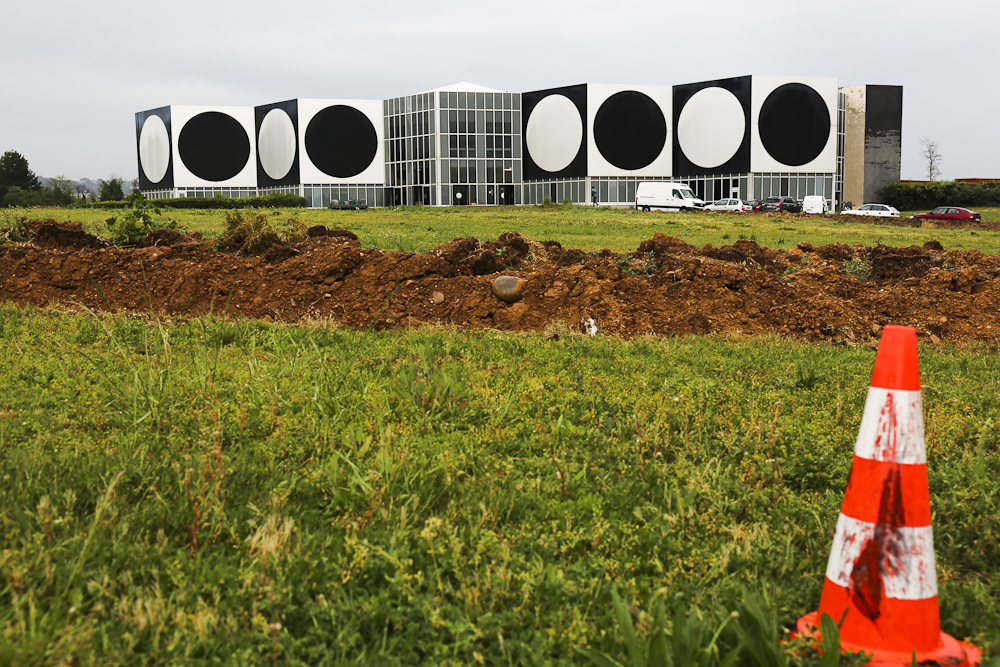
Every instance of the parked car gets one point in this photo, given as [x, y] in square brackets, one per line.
[727, 205]
[880, 210]
[815, 204]
[782, 204]
[754, 204]
[949, 213]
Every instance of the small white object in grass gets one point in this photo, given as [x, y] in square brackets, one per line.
[588, 325]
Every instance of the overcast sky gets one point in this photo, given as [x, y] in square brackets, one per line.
[72, 75]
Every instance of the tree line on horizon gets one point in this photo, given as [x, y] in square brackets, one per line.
[19, 186]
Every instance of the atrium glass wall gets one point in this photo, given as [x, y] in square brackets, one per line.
[480, 146]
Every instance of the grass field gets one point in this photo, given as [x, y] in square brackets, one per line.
[418, 229]
[214, 491]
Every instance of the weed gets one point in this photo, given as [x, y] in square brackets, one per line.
[14, 228]
[248, 233]
[128, 228]
[645, 265]
[859, 269]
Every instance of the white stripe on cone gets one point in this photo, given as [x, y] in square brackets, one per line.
[905, 558]
[892, 427]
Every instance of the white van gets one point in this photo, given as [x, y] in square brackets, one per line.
[665, 195]
[815, 204]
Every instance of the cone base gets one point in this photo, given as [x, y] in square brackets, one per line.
[949, 653]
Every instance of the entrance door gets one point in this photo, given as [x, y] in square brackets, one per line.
[491, 195]
[460, 196]
[506, 195]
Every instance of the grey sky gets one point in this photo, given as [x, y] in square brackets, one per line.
[72, 76]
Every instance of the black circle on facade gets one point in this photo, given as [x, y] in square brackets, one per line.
[341, 141]
[214, 146]
[630, 130]
[794, 124]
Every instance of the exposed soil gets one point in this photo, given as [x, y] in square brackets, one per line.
[665, 286]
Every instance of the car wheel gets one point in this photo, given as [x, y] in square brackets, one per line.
[645, 209]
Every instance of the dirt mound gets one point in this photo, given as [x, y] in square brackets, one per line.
[666, 286]
[54, 235]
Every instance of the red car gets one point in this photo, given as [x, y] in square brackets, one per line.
[949, 213]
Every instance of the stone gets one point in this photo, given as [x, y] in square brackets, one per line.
[437, 298]
[508, 289]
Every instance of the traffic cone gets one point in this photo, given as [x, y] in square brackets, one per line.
[881, 576]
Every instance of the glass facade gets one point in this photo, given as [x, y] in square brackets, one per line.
[838, 188]
[323, 195]
[410, 149]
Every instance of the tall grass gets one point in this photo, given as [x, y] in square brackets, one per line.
[231, 491]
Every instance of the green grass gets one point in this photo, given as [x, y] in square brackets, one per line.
[418, 229]
[229, 491]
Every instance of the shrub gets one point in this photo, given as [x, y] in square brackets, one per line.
[927, 195]
[128, 228]
[275, 200]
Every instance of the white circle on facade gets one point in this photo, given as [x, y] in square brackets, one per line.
[154, 149]
[276, 143]
[554, 133]
[711, 127]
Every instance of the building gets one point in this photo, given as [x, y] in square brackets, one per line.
[749, 137]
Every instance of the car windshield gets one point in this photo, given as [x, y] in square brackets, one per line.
[772, 200]
[687, 194]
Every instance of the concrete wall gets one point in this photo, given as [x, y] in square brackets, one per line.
[873, 140]
[883, 137]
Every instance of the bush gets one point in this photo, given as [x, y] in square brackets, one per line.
[21, 198]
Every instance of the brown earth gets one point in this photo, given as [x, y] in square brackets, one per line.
[665, 286]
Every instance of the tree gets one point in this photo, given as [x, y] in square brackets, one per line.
[60, 191]
[82, 191]
[14, 172]
[932, 156]
[111, 189]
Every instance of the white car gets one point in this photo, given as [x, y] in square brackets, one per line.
[881, 210]
[727, 205]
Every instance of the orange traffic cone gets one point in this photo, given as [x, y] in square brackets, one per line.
[881, 570]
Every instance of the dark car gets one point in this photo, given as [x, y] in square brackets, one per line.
[754, 204]
[781, 204]
[949, 213]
